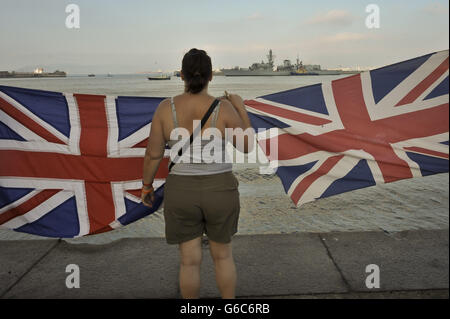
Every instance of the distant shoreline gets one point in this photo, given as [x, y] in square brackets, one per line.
[26, 75]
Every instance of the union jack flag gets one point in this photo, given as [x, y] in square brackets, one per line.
[71, 164]
[381, 126]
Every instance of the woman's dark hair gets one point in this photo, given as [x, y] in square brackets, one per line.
[197, 70]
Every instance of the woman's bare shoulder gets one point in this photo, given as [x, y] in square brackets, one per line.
[226, 108]
[163, 105]
[162, 110]
[226, 105]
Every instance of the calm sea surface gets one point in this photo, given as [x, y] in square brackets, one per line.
[138, 85]
[420, 203]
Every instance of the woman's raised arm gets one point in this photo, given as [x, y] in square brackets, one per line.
[236, 118]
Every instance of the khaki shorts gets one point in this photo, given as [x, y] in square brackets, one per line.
[199, 204]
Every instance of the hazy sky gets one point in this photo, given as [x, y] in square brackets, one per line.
[121, 36]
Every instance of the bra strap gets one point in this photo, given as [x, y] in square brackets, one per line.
[174, 113]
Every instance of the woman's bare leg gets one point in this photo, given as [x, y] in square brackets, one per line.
[190, 260]
[225, 268]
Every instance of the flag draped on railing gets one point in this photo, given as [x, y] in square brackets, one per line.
[71, 164]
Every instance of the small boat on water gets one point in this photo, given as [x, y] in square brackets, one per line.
[91, 75]
[158, 78]
[301, 70]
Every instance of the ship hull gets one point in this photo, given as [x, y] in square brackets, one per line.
[303, 74]
[254, 73]
[335, 72]
[328, 72]
[283, 73]
[158, 78]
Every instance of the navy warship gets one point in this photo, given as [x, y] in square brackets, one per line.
[262, 69]
[286, 69]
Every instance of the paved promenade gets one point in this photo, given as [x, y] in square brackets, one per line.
[413, 264]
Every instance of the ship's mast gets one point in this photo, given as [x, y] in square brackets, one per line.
[270, 58]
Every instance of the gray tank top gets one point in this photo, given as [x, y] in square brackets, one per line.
[200, 159]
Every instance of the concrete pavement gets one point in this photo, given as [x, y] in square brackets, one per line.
[329, 265]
